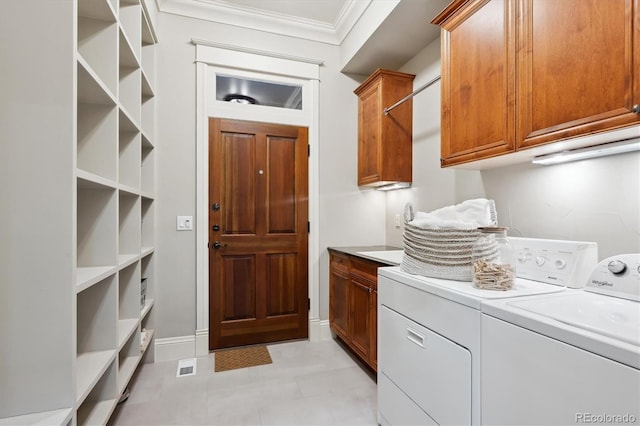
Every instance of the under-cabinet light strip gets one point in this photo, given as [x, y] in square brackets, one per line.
[612, 148]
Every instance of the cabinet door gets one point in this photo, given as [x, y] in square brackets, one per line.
[369, 135]
[339, 308]
[373, 338]
[478, 81]
[578, 63]
[360, 321]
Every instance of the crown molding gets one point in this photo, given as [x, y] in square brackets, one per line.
[271, 22]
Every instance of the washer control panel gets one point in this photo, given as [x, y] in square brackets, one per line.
[559, 262]
[617, 276]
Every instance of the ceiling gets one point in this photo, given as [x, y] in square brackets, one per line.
[324, 12]
[402, 34]
[326, 21]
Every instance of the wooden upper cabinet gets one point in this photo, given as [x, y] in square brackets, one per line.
[384, 141]
[518, 74]
[478, 80]
[578, 68]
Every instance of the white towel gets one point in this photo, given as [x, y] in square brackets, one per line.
[469, 214]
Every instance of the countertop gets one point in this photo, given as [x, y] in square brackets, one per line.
[358, 251]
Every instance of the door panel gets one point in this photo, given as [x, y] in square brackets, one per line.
[282, 213]
[563, 94]
[258, 260]
[239, 192]
[478, 82]
[281, 287]
[239, 287]
[360, 309]
[339, 308]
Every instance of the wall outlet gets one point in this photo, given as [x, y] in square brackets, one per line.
[398, 221]
[184, 223]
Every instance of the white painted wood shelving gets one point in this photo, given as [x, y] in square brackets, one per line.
[78, 170]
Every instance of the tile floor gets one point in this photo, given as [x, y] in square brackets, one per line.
[309, 383]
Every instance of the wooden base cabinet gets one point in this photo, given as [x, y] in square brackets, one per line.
[520, 74]
[353, 300]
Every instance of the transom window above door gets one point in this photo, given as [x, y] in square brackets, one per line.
[250, 91]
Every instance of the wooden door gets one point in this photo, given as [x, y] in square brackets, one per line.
[258, 232]
[578, 68]
[478, 81]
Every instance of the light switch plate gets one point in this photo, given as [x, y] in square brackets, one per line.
[184, 223]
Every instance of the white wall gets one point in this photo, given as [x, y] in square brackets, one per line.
[593, 200]
[347, 215]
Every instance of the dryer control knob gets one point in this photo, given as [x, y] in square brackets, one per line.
[540, 260]
[617, 266]
[560, 264]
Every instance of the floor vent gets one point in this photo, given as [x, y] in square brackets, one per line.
[186, 367]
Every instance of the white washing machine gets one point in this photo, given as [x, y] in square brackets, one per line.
[429, 332]
[569, 358]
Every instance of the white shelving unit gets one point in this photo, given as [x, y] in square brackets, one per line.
[80, 195]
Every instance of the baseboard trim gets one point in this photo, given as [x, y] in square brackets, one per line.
[174, 348]
[325, 330]
[202, 342]
[319, 330]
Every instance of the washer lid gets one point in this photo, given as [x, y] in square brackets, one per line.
[608, 316]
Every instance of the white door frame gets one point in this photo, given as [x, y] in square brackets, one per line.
[213, 58]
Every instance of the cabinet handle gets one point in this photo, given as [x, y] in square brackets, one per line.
[636, 109]
[415, 337]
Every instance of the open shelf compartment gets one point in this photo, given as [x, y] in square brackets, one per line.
[148, 223]
[96, 335]
[128, 302]
[129, 81]
[129, 147]
[96, 232]
[128, 359]
[99, 404]
[129, 227]
[148, 168]
[131, 23]
[98, 46]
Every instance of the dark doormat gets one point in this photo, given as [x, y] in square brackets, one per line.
[231, 359]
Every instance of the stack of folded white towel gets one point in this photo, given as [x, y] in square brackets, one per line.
[439, 244]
